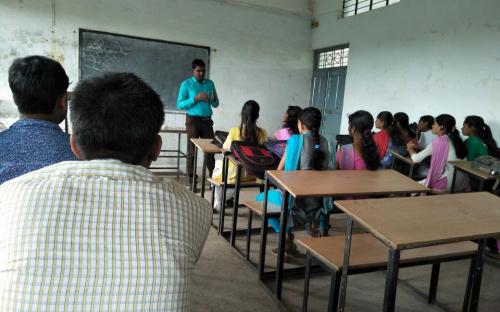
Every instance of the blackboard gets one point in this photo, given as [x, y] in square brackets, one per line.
[162, 64]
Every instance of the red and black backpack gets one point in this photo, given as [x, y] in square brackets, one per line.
[254, 158]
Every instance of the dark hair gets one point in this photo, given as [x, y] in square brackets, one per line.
[311, 118]
[448, 123]
[387, 118]
[198, 62]
[248, 128]
[37, 83]
[428, 119]
[483, 131]
[116, 115]
[402, 123]
[292, 114]
[362, 122]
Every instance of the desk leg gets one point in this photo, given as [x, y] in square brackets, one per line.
[307, 278]
[481, 185]
[477, 275]
[391, 282]
[410, 173]
[345, 268]
[453, 180]
[222, 211]
[468, 287]
[281, 247]
[186, 158]
[236, 204]
[178, 154]
[195, 163]
[203, 175]
[263, 231]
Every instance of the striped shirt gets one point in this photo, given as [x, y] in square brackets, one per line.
[98, 235]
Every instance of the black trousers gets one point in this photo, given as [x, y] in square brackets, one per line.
[199, 127]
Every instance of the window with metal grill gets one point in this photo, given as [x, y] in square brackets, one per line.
[354, 7]
[336, 57]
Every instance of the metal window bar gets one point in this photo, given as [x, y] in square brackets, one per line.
[354, 7]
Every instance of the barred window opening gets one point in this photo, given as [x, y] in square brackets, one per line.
[354, 7]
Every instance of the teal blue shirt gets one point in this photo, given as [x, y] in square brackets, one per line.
[189, 89]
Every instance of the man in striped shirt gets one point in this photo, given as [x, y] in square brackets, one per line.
[102, 234]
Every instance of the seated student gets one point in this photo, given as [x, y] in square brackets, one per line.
[425, 138]
[39, 87]
[248, 131]
[289, 124]
[307, 151]
[383, 138]
[103, 233]
[404, 134]
[363, 153]
[445, 147]
[480, 141]
[424, 131]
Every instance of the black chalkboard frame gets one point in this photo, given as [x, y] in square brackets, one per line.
[168, 109]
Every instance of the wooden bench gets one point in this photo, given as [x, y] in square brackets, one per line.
[254, 207]
[225, 187]
[369, 255]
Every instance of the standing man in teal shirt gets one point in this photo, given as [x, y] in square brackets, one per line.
[197, 96]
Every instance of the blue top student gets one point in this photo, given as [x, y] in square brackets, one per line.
[197, 96]
[35, 141]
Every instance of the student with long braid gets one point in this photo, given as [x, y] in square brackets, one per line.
[362, 153]
[305, 151]
[447, 146]
[249, 132]
[480, 141]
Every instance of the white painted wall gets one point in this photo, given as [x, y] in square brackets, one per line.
[261, 49]
[420, 57]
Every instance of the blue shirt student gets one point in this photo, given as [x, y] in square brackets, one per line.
[31, 144]
[187, 93]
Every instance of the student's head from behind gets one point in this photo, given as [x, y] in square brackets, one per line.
[116, 116]
[310, 121]
[475, 126]
[39, 87]
[291, 118]
[444, 124]
[360, 129]
[401, 120]
[248, 127]
[425, 123]
[199, 69]
[384, 120]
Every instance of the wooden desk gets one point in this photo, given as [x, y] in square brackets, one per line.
[327, 183]
[405, 159]
[177, 153]
[207, 147]
[405, 223]
[466, 166]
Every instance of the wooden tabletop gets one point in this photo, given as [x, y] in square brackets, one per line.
[206, 146]
[405, 159]
[172, 130]
[344, 182]
[467, 167]
[368, 252]
[413, 222]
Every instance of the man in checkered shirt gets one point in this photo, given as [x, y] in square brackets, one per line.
[102, 234]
